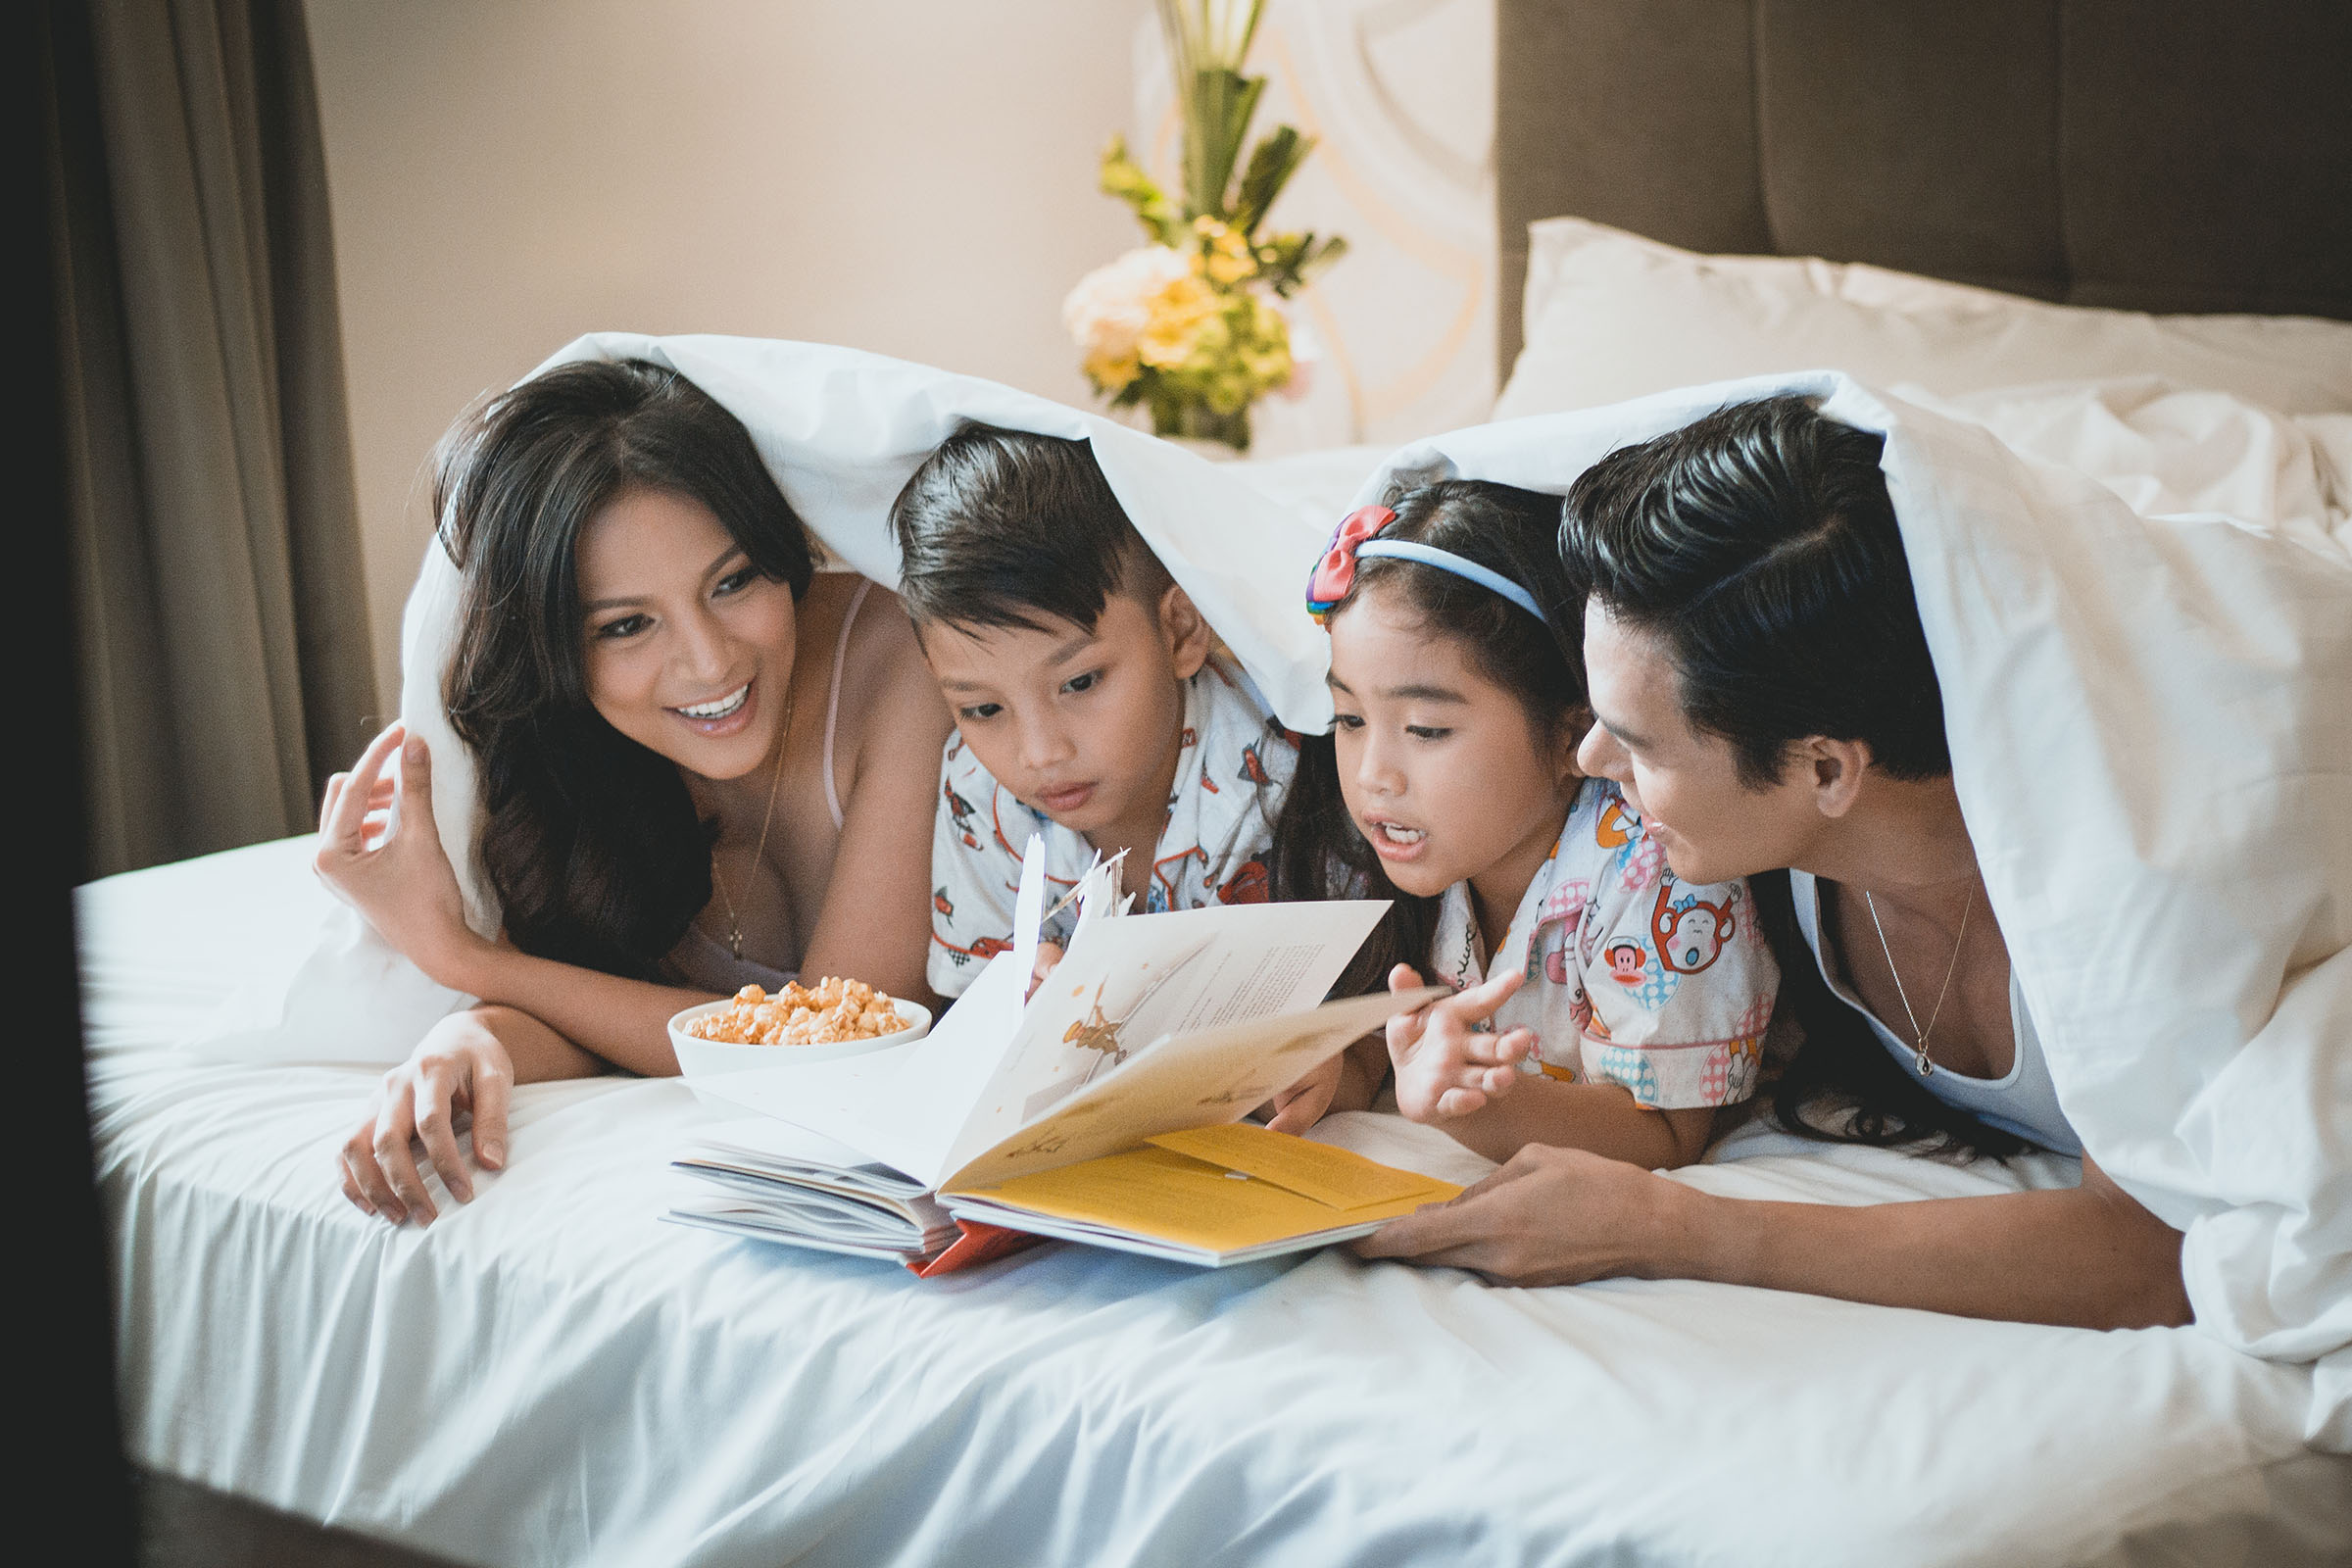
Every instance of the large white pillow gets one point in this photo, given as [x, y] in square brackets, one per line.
[1612, 316]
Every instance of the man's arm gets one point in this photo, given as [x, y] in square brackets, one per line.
[2088, 1256]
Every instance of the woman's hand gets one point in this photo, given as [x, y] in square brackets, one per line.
[1445, 1066]
[459, 1065]
[1551, 1216]
[380, 851]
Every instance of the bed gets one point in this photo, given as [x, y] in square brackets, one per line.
[552, 1375]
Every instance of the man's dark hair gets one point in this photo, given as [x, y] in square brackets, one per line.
[1759, 543]
[1007, 528]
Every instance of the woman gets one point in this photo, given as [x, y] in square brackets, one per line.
[1765, 698]
[683, 731]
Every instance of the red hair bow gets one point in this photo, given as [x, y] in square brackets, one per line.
[1335, 568]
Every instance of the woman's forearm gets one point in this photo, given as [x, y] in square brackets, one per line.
[624, 1021]
[538, 1054]
[2086, 1257]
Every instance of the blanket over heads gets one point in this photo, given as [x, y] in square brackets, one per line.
[2150, 720]
[2150, 723]
[841, 431]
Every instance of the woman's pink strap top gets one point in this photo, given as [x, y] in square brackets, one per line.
[841, 649]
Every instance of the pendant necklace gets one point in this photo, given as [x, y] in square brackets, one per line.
[768, 818]
[1917, 1033]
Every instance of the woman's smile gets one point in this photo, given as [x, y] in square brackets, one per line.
[725, 716]
[682, 634]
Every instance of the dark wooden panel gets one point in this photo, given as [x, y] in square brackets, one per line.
[1637, 115]
[1915, 135]
[2161, 155]
[2207, 154]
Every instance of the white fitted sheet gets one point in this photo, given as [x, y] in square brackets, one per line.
[551, 1375]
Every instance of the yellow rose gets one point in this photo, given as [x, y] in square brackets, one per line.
[1177, 314]
[1224, 257]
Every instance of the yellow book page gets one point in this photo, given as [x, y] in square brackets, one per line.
[1174, 1197]
[1334, 1176]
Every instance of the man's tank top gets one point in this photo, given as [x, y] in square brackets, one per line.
[2024, 1103]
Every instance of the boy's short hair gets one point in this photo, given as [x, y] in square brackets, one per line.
[1009, 528]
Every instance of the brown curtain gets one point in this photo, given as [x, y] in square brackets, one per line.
[224, 656]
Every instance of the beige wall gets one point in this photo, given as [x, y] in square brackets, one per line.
[915, 177]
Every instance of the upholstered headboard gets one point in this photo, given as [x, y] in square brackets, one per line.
[2161, 155]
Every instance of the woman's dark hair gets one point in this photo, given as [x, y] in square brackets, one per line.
[1317, 852]
[591, 841]
[1760, 544]
[999, 527]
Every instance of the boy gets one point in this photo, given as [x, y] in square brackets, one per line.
[1090, 706]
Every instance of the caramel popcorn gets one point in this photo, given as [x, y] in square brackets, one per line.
[834, 1011]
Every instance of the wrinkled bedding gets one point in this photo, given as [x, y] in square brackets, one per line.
[2150, 720]
[551, 1375]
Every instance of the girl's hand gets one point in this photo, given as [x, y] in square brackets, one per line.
[380, 851]
[458, 1065]
[1551, 1216]
[1303, 1105]
[1445, 1067]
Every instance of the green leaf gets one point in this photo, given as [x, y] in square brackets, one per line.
[1124, 177]
[1217, 120]
[1315, 258]
[1272, 162]
[1287, 261]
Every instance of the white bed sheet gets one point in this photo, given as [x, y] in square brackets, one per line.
[551, 1375]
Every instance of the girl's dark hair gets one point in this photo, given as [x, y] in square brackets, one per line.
[1317, 852]
[591, 841]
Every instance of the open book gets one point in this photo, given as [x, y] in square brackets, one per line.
[1151, 1025]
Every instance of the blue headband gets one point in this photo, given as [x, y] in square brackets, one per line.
[1459, 565]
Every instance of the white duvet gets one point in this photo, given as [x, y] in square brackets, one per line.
[552, 1376]
[841, 431]
[2151, 729]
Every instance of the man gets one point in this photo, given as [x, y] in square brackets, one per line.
[1764, 694]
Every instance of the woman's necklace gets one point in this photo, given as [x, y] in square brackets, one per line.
[1917, 1033]
[768, 818]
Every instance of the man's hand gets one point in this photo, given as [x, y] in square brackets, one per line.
[1551, 1216]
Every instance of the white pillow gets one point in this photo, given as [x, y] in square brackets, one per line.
[1612, 316]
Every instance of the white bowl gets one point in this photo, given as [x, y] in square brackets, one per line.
[700, 1059]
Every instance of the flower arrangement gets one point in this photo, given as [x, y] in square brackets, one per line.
[1191, 326]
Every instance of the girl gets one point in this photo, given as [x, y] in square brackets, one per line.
[684, 732]
[1600, 1003]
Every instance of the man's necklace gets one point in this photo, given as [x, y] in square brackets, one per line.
[766, 818]
[1918, 1035]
